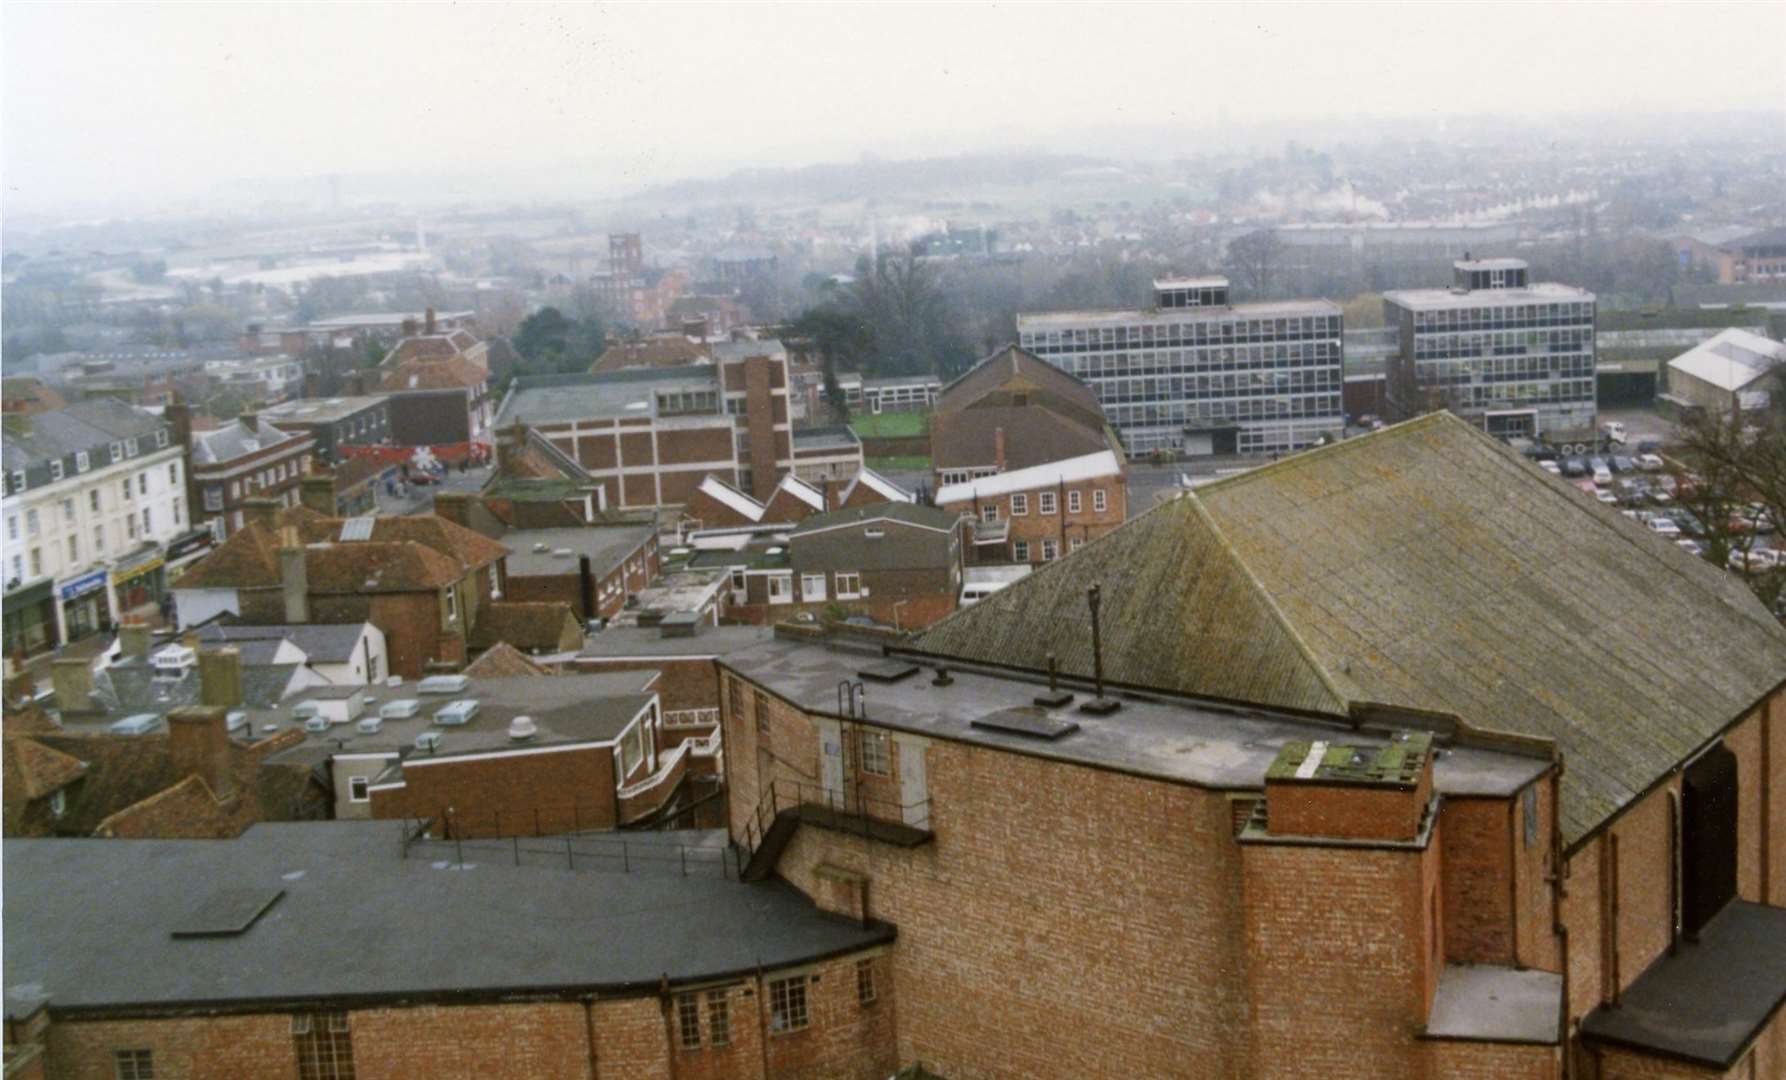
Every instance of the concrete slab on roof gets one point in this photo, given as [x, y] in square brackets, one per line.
[1488, 1003]
[359, 921]
[1204, 744]
[544, 399]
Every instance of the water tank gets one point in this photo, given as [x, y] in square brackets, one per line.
[428, 740]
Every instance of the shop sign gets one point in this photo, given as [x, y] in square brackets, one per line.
[82, 585]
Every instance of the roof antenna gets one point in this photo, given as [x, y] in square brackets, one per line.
[1100, 705]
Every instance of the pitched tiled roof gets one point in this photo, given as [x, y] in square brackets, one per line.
[402, 554]
[652, 352]
[543, 625]
[452, 373]
[1014, 365]
[503, 660]
[429, 347]
[1034, 435]
[39, 769]
[1426, 566]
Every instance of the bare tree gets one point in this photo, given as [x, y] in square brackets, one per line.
[1253, 259]
[1739, 486]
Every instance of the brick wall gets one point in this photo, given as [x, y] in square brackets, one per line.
[1347, 810]
[1476, 860]
[498, 1041]
[759, 415]
[683, 682]
[187, 1048]
[1063, 526]
[411, 623]
[512, 795]
[1492, 1061]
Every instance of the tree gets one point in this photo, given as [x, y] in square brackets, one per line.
[1253, 259]
[550, 343]
[540, 333]
[844, 341]
[1739, 459]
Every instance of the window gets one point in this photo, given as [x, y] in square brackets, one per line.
[130, 525]
[1075, 543]
[688, 1021]
[126, 488]
[865, 988]
[735, 697]
[812, 588]
[134, 1064]
[874, 753]
[142, 483]
[117, 451]
[324, 1045]
[1020, 551]
[18, 568]
[58, 803]
[18, 480]
[130, 444]
[74, 548]
[68, 511]
[93, 500]
[1049, 503]
[56, 470]
[762, 709]
[82, 461]
[1050, 550]
[161, 437]
[31, 523]
[213, 497]
[1098, 501]
[173, 472]
[989, 513]
[1019, 505]
[147, 527]
[787, 1004]
[452, 602]
[359, 789]
[849, 586]
[180, 510]
[36, 561]
[719, 1018]
[781, 588]
[12, 527]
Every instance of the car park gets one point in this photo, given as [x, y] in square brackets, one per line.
[1692, 547]
[1622, 464]
[1602, 474]
[1551, 467]
[1661, 526]
[1574, 467]
[1613, 431]
[1649, 446]
[1605, 496]
[1755, 560]
[1650, 462]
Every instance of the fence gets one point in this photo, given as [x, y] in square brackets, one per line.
[628, 854]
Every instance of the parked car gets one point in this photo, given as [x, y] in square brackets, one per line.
[1574, 467]
[1551, 467]
[1650, 462]
[1649, 446]
[1688, 521]
[1622, 464]
[1660, 497]
[1755, 560]
[1692, 547]
[1661, 526]
[1602, 474]
[1667, 483]
[1605, 496]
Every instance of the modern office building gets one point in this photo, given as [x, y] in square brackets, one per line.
[1514, 357]
[1200, 374]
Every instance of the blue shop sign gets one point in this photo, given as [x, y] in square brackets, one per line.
[83, 585]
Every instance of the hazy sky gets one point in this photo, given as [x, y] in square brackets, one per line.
[149, 99]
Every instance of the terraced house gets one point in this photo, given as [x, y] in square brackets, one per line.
[1395, 758]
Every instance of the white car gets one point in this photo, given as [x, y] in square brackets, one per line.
[1758, 559]
[1606, 497]
[1602, 475]
[1661, 526]
[1551, 467]
[1651, 462]
[1692, 547]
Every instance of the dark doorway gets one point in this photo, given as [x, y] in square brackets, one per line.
[1708, 837]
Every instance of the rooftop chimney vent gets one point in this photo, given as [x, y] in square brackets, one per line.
[522, 728]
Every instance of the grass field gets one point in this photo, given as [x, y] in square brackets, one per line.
[906, 463]
[891, 425]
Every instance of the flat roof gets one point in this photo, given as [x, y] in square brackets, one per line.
[533, 552]
[626, 642]
[1484, 1002]
[1121, 316]
[1206, 744]
[547, 399]
[1543, 292]
[1204, 281]
[321, 410]
[355, 919]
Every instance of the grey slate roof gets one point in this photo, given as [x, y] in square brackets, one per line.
[133, 686]
[1425, 566]
[325, 643]
[356, 920]
[86, 425]
[233, 440]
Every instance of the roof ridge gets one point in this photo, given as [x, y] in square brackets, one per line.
[1326, 678]
[1418, 423]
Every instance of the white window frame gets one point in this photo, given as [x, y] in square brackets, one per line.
[812, 588]
[785, 593]
[853, 579]
[18, 480]
[1046, 503]
[1073, 503]
[1075, 543]
[117, 451]
[989, 513]
[452, 602]
[58, 803]
[1098, 501]
[359, 789]
[1050, 550]
[82, 461]
[873, 754]
[1020, 550]
[56, 469]
[1019, 505]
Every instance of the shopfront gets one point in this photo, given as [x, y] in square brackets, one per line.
[137, 582]
[31, 620]
[85, 609]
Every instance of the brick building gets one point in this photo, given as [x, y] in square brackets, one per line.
[244, 459]
[321, 950]
[1013, 411]
[336, 422]
[716, 504]
[1577, 876]
[422, 580]
[1042, 512]
[438, 402]
[648, 436]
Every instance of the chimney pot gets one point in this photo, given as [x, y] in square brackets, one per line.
[133, 641]
[220, 678]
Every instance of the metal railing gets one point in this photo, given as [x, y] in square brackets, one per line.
[610, 852]
[792, 795]
[666, 766]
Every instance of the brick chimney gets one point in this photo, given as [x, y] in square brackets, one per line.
[454, 506]
[133, 641]
[428, 320]
[251, 422]
[262, 512]
[409, 328]
[317, 491]
[198, 742]
[294, 580]
[998, 449]
[220, 678]
[178, 414]
[72, 680]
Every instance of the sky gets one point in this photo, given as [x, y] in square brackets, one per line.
[144, 101]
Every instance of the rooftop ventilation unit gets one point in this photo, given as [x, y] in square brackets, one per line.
[522, 728]
[563, 553]
[401, 709]
[456, 712]
[316, 724]
[370, 725]
[541, 546]
[306, 710]
[394, 680]
[429, 741]
[174, 661]
[236, 720]
[443, 684]
[139, 724]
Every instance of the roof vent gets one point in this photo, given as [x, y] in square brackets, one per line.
[522, 728]
[443, 684]
[455, 713]
[236, 720]
[429, 741]
[174, 661]
[400, 709]
[540, 546]
[316, 724]
[138, 724]
[890, 671]
[305, 710]
[370, 725]
[563, 553]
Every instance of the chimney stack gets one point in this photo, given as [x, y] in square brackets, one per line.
[251, 422]
[72, 680]
[198, 741]
[179, 416]
[133, 641]
[998, 449]
[825, 494]
[262, 512]
[454, 506]
[317, 491]
[220, 678]
[409, 328]
[428, 324]
[294, 579]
